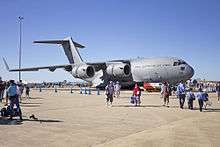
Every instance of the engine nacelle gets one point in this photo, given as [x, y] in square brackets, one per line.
[119, 70]
[83, 71]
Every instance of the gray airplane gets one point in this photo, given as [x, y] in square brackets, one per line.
[127, 72]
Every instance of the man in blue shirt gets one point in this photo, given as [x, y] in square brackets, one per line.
[200, 96]
[191, 98]
[14, 100]
[181, 93]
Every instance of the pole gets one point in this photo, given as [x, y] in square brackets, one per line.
[20, 22]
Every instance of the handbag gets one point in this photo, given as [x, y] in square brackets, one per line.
[132, 99]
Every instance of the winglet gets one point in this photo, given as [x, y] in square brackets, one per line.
[6, 64]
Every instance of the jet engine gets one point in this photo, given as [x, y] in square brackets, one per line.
[83, 71]
[119, 70]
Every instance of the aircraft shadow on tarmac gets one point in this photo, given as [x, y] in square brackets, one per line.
[36, 98]
[7, 121]
[43, 120]
[211, 110]
[29, 105]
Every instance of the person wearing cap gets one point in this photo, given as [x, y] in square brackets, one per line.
[13, 97]
[181, 94]
[165, 94]
[109, 91]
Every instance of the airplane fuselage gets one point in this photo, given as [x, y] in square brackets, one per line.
[158, 70]
[154, 70]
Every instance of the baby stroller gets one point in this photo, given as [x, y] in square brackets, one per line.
[6, 111]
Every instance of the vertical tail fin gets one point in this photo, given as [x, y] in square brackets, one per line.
[70, 48]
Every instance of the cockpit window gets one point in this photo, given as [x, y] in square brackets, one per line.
[182, 62]
[179, 63]
[182, 68]
[175, 64]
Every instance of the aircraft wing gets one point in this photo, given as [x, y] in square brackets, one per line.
[51, 68]
[103, 65]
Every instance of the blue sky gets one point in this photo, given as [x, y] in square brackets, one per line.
[111, 29]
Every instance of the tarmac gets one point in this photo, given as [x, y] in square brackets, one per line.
[73, 119]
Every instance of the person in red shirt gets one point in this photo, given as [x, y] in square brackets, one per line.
[137, 94]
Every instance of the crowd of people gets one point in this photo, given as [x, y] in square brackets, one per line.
[12, 93]
[113, 90]
[181, 92]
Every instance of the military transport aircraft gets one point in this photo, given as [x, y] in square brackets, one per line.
[127, 72]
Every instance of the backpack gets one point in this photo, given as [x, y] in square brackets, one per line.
[191, 96]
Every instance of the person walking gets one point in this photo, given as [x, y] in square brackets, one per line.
[109, 91]
[137, 94]
[14, 99]
[200, 97]
[218, 91]
[27, 92]
[206, 100]
[181, 94]
[165, 94]
[117, 88]
[191, 98]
